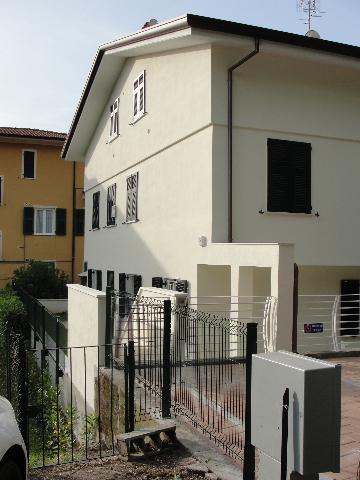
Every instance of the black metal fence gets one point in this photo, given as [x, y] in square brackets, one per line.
[191, 363]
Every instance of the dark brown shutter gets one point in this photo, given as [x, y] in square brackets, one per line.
[289, 176]
[98, 280]
[28, 221]
[61, 221]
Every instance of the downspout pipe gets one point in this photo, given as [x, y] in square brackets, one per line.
[73, 223]
[230, 135]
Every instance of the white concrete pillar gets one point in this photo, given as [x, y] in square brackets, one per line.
[282, 283]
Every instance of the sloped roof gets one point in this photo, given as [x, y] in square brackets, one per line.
[33, 133]
[170, 34]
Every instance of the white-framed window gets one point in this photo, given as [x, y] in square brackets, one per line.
[1, 190]
[114, 120]
[28, 164]
[139, 96]
[44, 220]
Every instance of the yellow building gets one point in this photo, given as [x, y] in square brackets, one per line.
[41, 203]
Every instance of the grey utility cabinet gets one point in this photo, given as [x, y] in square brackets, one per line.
[314, 413]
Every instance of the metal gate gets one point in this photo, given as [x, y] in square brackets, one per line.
[192, 364]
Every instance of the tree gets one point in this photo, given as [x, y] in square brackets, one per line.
[41, 280]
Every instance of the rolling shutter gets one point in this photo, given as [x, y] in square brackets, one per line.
[28, 221]
[61, 221]
[289, 176]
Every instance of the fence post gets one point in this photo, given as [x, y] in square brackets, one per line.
[23, 389]
[43, 338]
[166, 361]
[131, 390]
[8, 361]
[108, 327]
[249, 450]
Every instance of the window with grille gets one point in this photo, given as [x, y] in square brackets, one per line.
[131, 199]
[28, 164]
[96, 211]
[289, 176]
[139, 96]
[111, 205]
[114, 119]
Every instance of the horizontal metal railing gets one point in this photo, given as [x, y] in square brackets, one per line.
[245, 309]
[328, 323]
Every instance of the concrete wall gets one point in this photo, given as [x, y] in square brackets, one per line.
[86, 328]
[290, 98]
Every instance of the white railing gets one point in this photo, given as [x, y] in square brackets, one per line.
[328, 323]
[258, 309]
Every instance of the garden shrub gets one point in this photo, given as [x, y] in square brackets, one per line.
[41, 280]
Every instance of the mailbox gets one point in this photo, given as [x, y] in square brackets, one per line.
[314, 413]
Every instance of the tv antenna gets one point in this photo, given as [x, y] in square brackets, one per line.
[310, 9]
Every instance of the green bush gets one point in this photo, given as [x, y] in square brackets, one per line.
[41, 280]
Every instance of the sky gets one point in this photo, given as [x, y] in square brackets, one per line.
[47, 46]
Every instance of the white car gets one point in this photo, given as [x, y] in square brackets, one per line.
[13, 457]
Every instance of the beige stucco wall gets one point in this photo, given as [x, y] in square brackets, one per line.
[292, 99]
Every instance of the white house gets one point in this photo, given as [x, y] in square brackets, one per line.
[220, 154]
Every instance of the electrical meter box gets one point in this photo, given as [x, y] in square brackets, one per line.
[314, 411]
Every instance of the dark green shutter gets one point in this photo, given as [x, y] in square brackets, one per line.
[289, 176]
[110, 278]
[157, 282]
[28, 221]
[90, 278]
[122, 282]
[29, 164]
[61, 221]
[79, 222]
[137, 283]
[98, 280]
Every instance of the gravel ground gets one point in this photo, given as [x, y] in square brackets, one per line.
[169, 466]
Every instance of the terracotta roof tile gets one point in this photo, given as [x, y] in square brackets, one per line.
[31, 133]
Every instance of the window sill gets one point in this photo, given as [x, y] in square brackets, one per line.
[44, 234]
[28, 178]
[110, 140]
[135, 120]
[110, 226]
[130, 221]
[94, 229]
[296, 214]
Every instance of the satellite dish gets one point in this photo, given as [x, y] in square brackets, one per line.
[313, 34]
